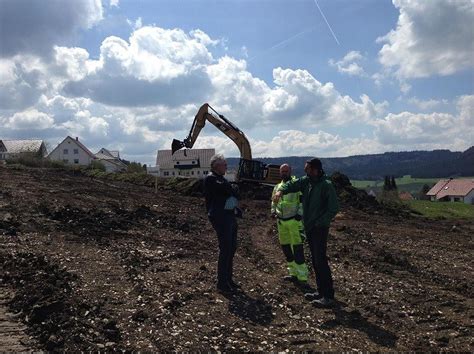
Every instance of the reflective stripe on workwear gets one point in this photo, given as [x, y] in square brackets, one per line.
[289, 205]
[291, 234]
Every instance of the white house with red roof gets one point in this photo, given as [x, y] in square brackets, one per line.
[72, 152]
[454, 190]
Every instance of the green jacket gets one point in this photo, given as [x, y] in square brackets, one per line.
[319, 199]
[289, 206]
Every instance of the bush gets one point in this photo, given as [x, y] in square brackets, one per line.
[97, 165]
[135, 167]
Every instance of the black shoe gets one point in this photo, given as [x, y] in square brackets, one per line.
[234, 285]
[323, 302]
[224, 288]
[290, 278]
[312, 296]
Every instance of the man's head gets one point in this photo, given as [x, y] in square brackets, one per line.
[285, 172]
[314, 168]
[218, 164]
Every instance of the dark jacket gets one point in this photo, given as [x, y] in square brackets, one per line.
[319, 200]
[216, 191]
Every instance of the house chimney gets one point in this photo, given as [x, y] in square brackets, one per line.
[77, 139]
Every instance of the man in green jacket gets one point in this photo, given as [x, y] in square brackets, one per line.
[320, 205]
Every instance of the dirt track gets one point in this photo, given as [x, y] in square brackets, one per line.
[96, 264]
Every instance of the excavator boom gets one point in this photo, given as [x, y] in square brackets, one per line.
[221, 123]
[249, 169]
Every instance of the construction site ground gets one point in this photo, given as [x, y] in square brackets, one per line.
[90, 264]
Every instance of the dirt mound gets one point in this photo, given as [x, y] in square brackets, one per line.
[93, 222]
[351, 196]
[44, 300]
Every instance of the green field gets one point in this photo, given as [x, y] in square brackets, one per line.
[404, 184]
[448, 210]
[403, 181]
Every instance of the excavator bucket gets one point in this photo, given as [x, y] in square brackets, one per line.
[176, 145]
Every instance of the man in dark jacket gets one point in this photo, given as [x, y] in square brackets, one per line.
[319, 207]
[221, 202]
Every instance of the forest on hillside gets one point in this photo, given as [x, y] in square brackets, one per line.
[418, 164]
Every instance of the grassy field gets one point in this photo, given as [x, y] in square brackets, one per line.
[404, 184]
[449, 210]
[403, 181]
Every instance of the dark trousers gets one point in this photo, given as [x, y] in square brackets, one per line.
[226, 229]
[318, 240]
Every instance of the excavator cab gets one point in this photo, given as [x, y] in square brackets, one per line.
[252, 170]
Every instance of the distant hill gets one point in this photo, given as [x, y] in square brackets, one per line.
[418, 164]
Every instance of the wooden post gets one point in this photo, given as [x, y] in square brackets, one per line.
[156, 184]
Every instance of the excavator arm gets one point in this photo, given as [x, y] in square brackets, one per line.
[249, 169]
[206, 112]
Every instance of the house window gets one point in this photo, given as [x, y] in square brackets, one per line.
[456, 199]
[76, 151]
[204, 172]
[177, 162]
[173, 173]
[76, 160]
[192, 172]
[193, 162]
[198, 172]
[166, 173]
[65, 151]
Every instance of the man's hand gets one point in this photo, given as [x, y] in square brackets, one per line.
[277, 196]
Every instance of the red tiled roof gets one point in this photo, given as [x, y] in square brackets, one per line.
[405, 196]
[437, 187]
[456, 187]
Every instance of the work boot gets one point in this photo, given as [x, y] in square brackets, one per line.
[312, 295]
[323, 302]
[291, 278]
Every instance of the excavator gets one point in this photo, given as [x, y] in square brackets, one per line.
[249, 170]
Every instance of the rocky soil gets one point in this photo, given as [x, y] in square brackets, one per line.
[89, 264]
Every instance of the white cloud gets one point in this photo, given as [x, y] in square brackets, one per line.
[432, 38]
[29, 119]
[114, 3]
[30, 26]
[350, 64]
[408, 130]
[135, 24]
[426, 105]
[156, 66]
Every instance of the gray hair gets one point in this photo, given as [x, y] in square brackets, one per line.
[216, 159]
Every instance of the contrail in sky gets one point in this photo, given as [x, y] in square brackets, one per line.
[322, 14]
[282, 43]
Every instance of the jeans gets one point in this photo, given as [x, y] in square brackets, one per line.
[225, 225]
[317, 240]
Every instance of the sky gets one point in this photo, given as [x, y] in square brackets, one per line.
[326, 78]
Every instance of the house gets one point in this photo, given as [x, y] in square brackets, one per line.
[72, 152]
[14, 148]
[405, 196]
[111, 160]
[186, 163]
[454, 190]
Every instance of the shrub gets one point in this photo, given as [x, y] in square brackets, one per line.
[97, 165]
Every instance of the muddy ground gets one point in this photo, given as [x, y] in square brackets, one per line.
[92, 264]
